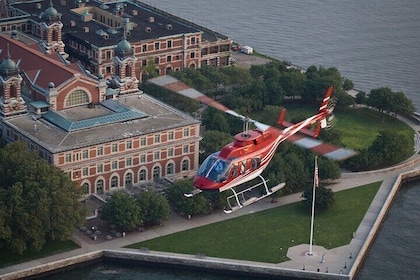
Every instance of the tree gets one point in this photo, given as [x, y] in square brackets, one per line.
[213, 141]
[190, 206]
[153, 206]
[39, 202]
[324, 198]
[122, 210]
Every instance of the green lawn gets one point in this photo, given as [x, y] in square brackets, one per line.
[53, 247]
[358, 127]
[266, 236]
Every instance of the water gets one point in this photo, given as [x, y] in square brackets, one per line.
[374, 43]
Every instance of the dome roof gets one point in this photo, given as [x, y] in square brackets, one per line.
[123, 46]
[50, 13]
[7, 65]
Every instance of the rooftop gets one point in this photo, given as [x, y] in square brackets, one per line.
[146, 21]
[100, 124]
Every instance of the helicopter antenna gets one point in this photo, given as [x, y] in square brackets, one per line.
[245, 127]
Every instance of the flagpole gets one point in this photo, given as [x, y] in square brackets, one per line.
[313, 206]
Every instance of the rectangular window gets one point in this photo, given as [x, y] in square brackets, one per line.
[168, 58]
[68, 157]
[186, 149]
[85, 171]
[143, 141]
[143, 62]
[156, 60]
[129, 144]
[169, 44]
[85, 154]
[114, 165]
[99, 168]
[156, 155]
[186, 132]
[142, 158]
[144, 48]
[170, 135]
[99, 151]
[192, 55]
[157, 138]
[128, 162]
[114, 147]
[157, 45]
[170, 152]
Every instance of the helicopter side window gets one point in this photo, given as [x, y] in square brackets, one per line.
[234, 171]
[255, 163]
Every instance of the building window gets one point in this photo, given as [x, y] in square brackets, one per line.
[143, 141]
[157, 138]
[114, 147]
[185, 165]
[168, 58]
[144, 48]
[77, 97]
[85, 154]
[170, 135]
[170, 152]
[142, 158]
[186, 132]
[142, 175]
[143, 62]
[99, 151]
[129, 144]
[128, 161]
[193, 41]
[86, 188]
[85, 171]
[192, 55]
[68, 157]
[186, 149]
[170, 169]
[156, 60]
[114, 165]
[99, 168]
[156, 155]
[157, 45]
[169, 44]
[114, 182]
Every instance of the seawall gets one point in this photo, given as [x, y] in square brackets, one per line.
[211, 264]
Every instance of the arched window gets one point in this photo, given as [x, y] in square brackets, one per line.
[100, 186]
[128, 179]
[156, 173]
[185, 165]
[77, 97]
[143, 175]
[86, 188]
[114, 182]
[170, 168]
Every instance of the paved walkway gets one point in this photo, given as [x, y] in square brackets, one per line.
[335, 261]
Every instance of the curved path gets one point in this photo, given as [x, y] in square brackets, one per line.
[337, 261]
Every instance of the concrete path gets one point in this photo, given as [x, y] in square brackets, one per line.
[335, 261]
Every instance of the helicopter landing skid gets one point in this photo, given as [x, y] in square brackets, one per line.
[241, 201]
[194, 192]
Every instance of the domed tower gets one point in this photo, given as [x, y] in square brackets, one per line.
[51, 27]
[124, 62]
[11, 101]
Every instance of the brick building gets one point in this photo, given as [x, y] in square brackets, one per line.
[104, 139]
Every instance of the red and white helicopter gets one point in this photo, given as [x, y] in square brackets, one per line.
[248, 155]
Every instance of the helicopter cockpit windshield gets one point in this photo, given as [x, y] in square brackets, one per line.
[214, 168]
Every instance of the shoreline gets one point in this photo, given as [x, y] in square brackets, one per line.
[300, 266]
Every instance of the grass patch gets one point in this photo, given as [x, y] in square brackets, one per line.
[265, 236]
[358, 127]
[52, 247]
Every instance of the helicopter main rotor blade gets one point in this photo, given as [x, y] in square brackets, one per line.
[183, 89]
